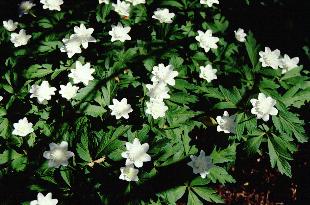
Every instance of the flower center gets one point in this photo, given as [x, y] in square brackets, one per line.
[136, 154]
[199, 163]
[128, 172]
[58, 155]
[264, 107]
[270, 59]
[25, 6]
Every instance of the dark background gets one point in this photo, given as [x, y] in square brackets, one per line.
[283, 25]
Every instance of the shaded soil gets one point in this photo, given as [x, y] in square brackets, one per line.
[258, 184]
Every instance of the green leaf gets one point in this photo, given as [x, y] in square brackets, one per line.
[252, 49]
[36, 71]
[179, 115]
[183, 98]
[253, 144]
[221, 175]
[176, 61]
[45, 23]
[20, 163]
[232, 97]
[82, 149]
[102, 12]
[171, 3]
[279, 156]
[93, 110]
[193, 199]
[174, 194]
[16, 160]
[9, 155]
[292, 73]
[289, 123]
[208, 194]
[225, 155]
[199, 181]
[109, 143]
[65, 174]
[4, 128]
[88, 92]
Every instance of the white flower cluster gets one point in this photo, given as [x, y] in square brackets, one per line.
[163, 15]
[208, 73]
[123, 8]
[263, 107]
[22, 127]
[273, 59]
[44, 200]
[162, 77]
[81, 37]
[58, 154]
[240, 35]
[135, 156]
[81, 74]
[10, 25]
[209, 3]
[120, 33]
[18, 39]
[52, 4]
[158, 91]
[206, 40]
[25, 7]
[226, 123]
[120, 108]
[103, 1]
[201, 164]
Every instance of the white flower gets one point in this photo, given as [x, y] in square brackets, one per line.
[226, 123]
[82, 73]
[240, 35]
[208, 73]
[10, 25]
[136, 153]
[120, 108]
[44, 200]
[163, 15]
[129, 173]
[52, 4]
[121, 7]
[43, 92]
[206, 40]
[287, 63]
[68, 91]
[201, 164]
[71, 46]
[158, 91]
[20, 39]
[58, 154]
[136, 2]
[164, 74]
[22, 127]
[83, 35]
[104, 1]
[270, 58]
[120, 33]
[209, 3]
[25, 7]
[1, 98]
[156, 108]
[263, 107]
